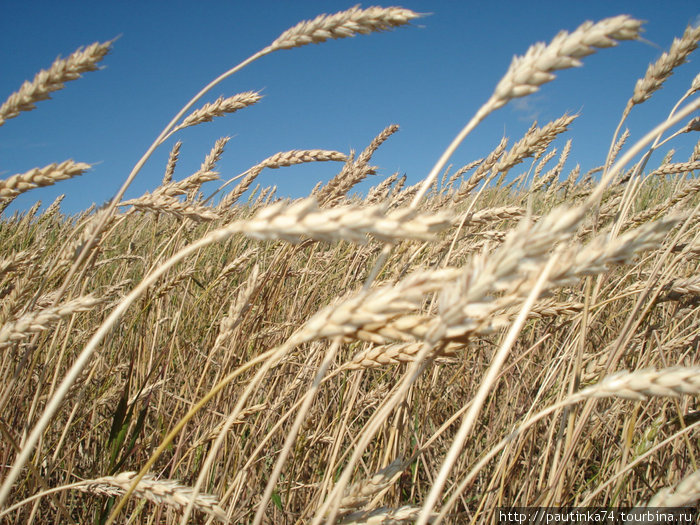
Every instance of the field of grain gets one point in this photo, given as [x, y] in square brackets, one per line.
[512, 332]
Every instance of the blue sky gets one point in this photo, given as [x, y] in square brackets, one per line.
[429, 78]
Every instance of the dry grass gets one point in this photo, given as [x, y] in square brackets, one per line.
[426, 354]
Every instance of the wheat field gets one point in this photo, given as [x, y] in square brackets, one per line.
[512, 332]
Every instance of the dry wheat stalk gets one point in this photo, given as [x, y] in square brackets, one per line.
[662, 69]
[398, 188]
[480, 318]
[402, 195]
[513, 268]
[551, 308]
[241, 419]
[172, 161]
[674, 290]
[173, 283]
[40, 320]
[603, 251]
[218, 108]
[364, 157]
[163, 492]
[71, 250]
[47, 81]
[696, 152]
[528, 72]
[570, 181]
[688, 286]
[342, 25]
[39, 177]
[265, 197]
[668, 157]
[185, 186]
[694, 85]
[16, 292]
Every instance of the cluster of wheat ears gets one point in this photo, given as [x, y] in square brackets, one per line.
[423, 353]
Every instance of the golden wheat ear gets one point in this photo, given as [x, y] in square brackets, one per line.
[49, 80]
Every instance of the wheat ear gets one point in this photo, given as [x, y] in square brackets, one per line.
[221, 106]
[342, 25]
[527, 73]
[278, 160]
[687, 492]
[385, 516]
[172, 162]
[361, 493]
[662, 69]
[38, 177]
[160, 491]
[641, 384]
[39, 321]
[47, 81]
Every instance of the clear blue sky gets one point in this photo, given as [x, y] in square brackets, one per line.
[429, 78]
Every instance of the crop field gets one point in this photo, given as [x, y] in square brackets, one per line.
[512, 332]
